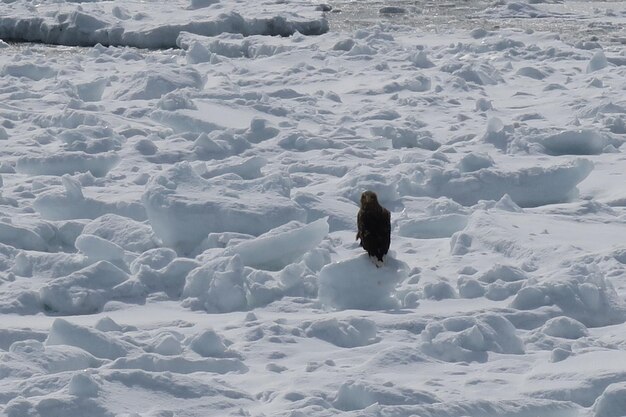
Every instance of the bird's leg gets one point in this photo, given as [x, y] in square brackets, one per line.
[375, 261]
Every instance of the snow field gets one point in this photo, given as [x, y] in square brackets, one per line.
[177, 226]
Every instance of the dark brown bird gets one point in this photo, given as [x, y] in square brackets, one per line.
[374, 226]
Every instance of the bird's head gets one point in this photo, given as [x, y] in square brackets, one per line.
[369, 199]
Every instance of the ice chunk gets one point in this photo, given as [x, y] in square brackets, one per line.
[565, 327]
[276, 249]
[122, 231]
[357, 395]
[61, 205]
[151, 85]
[247, 169]
[504, 273]
[21, 237]
[156, 363]
[532, 72]
[474, 161]
[156, 259]
[576, 142]
[467, 338]
[84, 291]
[199, 4]
[29, 70]
[99, 249]
[67, 163]
[582, 293]
[358, 284]
[93, 341]
[95, 22]
[83, 385]
[183, 208]
[597, 62]
[344, 333]
[208, 344]
[92, 90]
[106, 324]
[432, 227]
[612, 402]
[166, 344]
[50, 359]
[439, 290]
[217, 286]
[420, 60]
[527, 187]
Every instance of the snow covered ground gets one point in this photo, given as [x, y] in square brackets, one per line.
[177, 224]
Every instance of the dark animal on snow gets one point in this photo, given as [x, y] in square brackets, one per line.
[373, 226]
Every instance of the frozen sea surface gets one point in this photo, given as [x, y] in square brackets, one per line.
[573, 19]
[177, 221]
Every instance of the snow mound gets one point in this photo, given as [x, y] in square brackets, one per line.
[518, 9]
[208, 344]
[498, 283]
[49, 359]
[357, 395]
[153, 362]
[591, 379]
[201, 48]
[504, 273]
[358, 284]
[147, 85]
[527, 187]
[479, 74]
[83, 385]
[99, 344]
[183, 208]
[482, 408]
[348, 333]
[248, 168]
[278, 248]
[577, 142]
[9, 336]
[438, 291]
[584, 294]
[612, 402]
[468, 339]
[565, 327]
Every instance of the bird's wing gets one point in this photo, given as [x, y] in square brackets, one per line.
[387, 217]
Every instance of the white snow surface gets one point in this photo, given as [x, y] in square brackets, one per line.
[178, 201]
